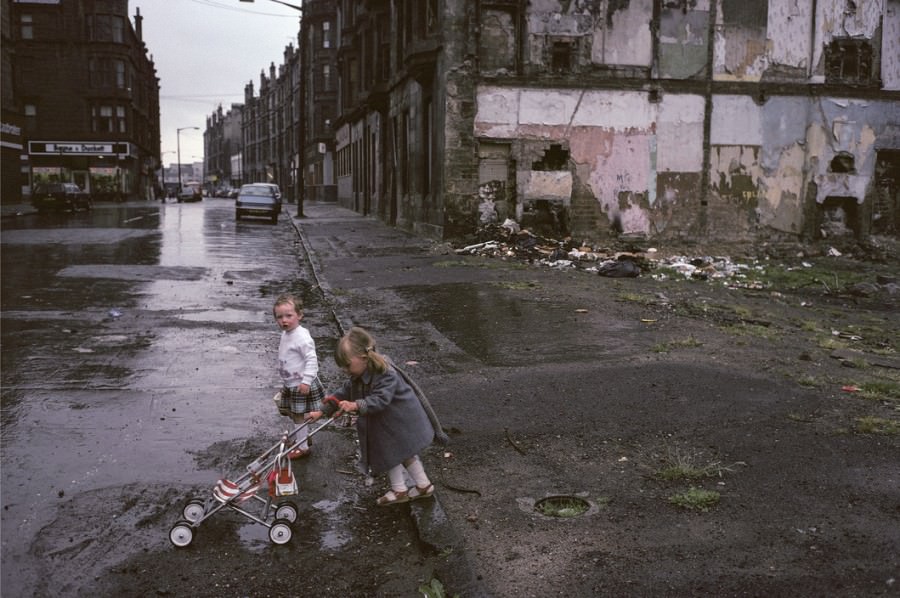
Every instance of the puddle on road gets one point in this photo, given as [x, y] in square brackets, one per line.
[226, 315]
[255, 537]
[504, 327]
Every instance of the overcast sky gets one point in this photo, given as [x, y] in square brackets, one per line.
[205, 52]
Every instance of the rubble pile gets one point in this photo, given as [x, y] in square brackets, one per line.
[509, 241]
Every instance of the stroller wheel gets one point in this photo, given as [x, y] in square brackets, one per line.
[286, 510]
[182, 534]
[194, 510]
[281, 532]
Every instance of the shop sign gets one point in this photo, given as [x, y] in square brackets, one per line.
[87, 148]
[103, 170]
[45, 169]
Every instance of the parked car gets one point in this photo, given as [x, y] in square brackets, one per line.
[60, 196]
[190, 191]
[277, 190]
[257, 199]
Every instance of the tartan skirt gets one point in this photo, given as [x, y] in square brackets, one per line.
[294, 403]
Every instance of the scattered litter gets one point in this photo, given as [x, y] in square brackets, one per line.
[850, 388]
[647, 321]
[411, 362]
[115, 313]
[83, 350]
[581, 311]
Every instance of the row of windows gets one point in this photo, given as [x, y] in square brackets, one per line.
[98, 28]
[105, 118]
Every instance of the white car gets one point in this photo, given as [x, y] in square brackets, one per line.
[277, 190]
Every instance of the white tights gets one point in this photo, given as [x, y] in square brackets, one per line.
[416, 470]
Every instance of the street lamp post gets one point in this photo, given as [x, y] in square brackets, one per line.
[301, 129]
[178, 144]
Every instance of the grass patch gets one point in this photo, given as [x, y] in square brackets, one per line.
[562, 506]
[696, 499]
[831, 343]
[679, 465]
[877, 425]
[880, 390]
[434, 589]
[822, 277]
[674, 344]
[809, 381]
[636, 298]
[811, 326]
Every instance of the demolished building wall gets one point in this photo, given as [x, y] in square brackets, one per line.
[728, 140]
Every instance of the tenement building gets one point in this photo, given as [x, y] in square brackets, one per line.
[87, 94]
[708, 119]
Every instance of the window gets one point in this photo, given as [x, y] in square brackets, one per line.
[27, 26]
[106, 28]
[326, 34]
[107, 72]
[326, 77]
[109, 119]
[30, 110]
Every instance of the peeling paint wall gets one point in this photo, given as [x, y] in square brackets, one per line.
[890, 45]
[740, 40]
[683, 40]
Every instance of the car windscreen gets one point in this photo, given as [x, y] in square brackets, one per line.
[257, 199]
[261, 191]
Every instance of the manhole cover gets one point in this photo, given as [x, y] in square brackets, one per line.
[562, 506]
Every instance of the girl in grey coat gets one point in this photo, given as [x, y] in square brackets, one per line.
[392, 425]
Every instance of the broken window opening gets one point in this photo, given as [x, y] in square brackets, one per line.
[561, 55]
[843, 163]
[555, 158]
[839, 217]
[849, 61]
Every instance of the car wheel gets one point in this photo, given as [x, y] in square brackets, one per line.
[275, 219]
[237, 215]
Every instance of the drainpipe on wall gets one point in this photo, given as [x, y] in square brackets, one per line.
[707, 118]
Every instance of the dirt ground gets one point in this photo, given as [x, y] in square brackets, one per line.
[778, 396]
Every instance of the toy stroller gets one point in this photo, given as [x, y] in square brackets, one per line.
[271, 473]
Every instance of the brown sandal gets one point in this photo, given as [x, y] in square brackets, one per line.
[416, 493]
[392, 498]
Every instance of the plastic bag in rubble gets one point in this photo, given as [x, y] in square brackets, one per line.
[511, 225]
[619, 269]
[487, 211]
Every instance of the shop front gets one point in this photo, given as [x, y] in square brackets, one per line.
[105, 169]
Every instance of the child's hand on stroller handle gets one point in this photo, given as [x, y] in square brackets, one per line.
[331, 406]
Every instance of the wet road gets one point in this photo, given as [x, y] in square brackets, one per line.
[134, 337]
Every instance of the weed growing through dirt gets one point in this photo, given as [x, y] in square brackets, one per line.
[562, 507]
[880, 390]
[690, 341]
[809, 381]
[636, 298]
[877, 425]
[434, 589]
[696, 499]
[679, 465]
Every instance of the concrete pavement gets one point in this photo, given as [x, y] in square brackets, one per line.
[366, 236]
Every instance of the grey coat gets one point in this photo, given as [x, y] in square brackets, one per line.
[392, 424]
